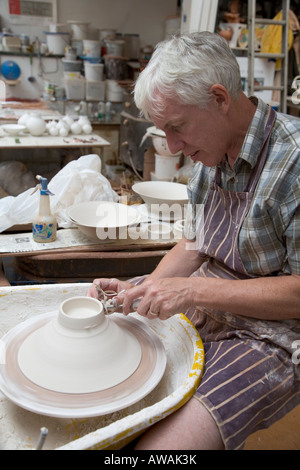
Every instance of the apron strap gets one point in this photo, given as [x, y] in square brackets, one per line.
[255, 174]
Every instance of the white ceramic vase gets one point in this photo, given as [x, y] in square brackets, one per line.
[23, 119]
[36, 125]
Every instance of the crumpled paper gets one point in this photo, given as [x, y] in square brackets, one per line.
[79, 181]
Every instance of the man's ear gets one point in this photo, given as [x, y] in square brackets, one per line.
[220, 97]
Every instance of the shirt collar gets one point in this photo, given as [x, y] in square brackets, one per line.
[255, 135]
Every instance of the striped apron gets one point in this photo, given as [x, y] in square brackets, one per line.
[250, 380]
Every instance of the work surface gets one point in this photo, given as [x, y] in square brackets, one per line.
[12, 111]
[26, 140]
[71, 240]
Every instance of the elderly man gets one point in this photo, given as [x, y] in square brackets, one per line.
[241, 285]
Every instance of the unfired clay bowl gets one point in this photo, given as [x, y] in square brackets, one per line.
[159, 192]
[102, 220]
[164, 199]
[14, 129]
[80, 350]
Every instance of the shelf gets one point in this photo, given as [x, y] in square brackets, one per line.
[31, 54]
[281, 20]
[257, 53]
[11, 82]
[263, 55]
[269, 21]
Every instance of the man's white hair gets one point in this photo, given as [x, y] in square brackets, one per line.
[184, 68]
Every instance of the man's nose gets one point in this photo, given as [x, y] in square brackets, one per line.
[175, 145]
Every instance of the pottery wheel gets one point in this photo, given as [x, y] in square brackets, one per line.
[25, 393]
[79, 361]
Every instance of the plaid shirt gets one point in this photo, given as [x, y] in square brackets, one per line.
[269, 240]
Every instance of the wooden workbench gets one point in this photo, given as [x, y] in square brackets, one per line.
[84, 263]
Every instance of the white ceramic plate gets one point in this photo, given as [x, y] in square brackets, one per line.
[15, 386]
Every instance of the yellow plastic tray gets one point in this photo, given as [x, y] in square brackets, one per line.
[20, 429]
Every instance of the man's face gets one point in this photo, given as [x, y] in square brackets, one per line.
[198, 133]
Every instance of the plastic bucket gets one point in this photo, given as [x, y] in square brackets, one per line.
[70, 75]
[115, 68]
[91, 48]
[132, 46]
[93, 72]
[95, 91]
[78, 45]
[75, 89]
[107, 33]
[70, 53]
[57, 27]
[57, 42]
[72, 65]
[79, 30]
[115, 48]
[114, 92]
[166, 167]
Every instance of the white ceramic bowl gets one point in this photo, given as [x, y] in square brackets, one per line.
[158, 192]
[103, 220]
[13, 129]
[80, 351]
[164, 199]
[159, 141]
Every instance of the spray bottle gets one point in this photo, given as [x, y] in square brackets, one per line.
[44, 225]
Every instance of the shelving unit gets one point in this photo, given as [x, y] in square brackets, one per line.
[283, 56]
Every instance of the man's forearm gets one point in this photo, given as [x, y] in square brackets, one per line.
[181, 261]
[269, 298]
